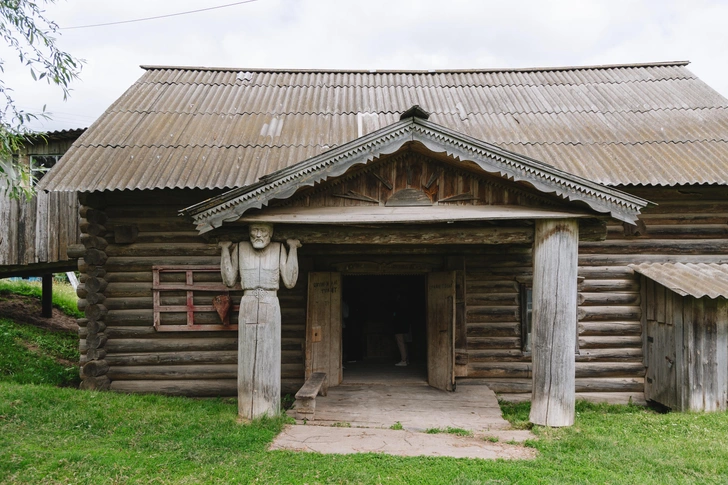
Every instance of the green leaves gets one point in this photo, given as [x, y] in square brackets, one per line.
[24, 28]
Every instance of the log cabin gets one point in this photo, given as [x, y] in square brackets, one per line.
[509, 206]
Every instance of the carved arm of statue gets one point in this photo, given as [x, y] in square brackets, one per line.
[289, 263]
[229, 263]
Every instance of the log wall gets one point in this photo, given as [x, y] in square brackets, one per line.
[689, 224]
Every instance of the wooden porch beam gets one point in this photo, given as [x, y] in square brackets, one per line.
[404, 235]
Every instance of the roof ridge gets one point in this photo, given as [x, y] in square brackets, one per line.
[415, 71]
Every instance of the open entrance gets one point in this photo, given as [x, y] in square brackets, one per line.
[384, 328]
[421, 308]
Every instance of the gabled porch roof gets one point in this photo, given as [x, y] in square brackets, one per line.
[284, 183]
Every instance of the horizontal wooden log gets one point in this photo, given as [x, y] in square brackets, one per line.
[168, 358]
[584, 355]
[152, 250]
[606, 272]
[95, 368]
[429, 234]
[94, 311]
[95, 257]
[656, 246]
[583, 369]
[491, 314]
[590, 384]
[197, 388]
[478, 343]
[498, 355]
[100, 383]
[609, 298]
[92, 229]
[116, 264]
[94, 341]
[494, 299]
[626, 259]
[637, 398]
[120, 346]
[93, 215]
[500, 369]
[609, 312]
[610, 328]
[76, 251]
[611, 286]
[173, 372]
[94, 354]
[89, 270]
[494, 329]
[93, 242]
[610, 369]
[600, 342]
[609, 355]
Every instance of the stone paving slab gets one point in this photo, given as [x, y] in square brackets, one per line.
[333, 440]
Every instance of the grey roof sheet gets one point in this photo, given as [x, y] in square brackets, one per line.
[221, 128]
[692, 279]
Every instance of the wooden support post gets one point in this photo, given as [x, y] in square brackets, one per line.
[555, 264]
[47, 296]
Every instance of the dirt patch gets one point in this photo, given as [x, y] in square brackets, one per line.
[27, 309]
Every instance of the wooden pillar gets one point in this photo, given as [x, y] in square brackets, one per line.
[47, 296]
[555, 264]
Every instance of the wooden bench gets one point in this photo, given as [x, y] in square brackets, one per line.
[305, 405]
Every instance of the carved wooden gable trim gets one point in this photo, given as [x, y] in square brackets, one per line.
[412, 179]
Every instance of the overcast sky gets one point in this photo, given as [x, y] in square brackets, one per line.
[367, 34]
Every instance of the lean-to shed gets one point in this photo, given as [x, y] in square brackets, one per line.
[686, 335]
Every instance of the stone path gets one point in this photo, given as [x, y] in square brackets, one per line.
[358, 418]
[343, 441]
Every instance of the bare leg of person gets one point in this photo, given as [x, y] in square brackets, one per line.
[399, 337]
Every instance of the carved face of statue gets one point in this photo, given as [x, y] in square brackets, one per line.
[260, 235]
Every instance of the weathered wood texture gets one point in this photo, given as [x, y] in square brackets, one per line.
[183, 363]
[413, 179]
[555, 267]
[323, 327]
[92, 328]
[37, 231]
[609, 352]
[686, 350]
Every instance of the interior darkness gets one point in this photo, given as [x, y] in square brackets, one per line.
[368, 334]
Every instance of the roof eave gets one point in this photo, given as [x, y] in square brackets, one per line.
[281, 184]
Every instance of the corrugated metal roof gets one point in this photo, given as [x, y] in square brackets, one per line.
[220, 128]
[696, 280]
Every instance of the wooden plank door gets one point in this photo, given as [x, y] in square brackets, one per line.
[441, 330]
[323, 326]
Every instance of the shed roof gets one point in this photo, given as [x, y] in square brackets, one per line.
[694, 279]
[650, 124]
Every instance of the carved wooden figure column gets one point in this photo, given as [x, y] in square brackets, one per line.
[260, 264]
[555, 264]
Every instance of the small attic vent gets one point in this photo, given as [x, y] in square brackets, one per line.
[415, 112]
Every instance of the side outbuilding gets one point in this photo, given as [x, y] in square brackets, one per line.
[685, 314]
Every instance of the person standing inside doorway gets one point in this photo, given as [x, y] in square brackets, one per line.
[400, 325]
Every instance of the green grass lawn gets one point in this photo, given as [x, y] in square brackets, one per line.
[62, 435]
[52, 435]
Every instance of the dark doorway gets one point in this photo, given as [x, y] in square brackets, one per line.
[375, 308]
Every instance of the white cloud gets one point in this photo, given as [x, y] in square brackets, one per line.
[376, 34]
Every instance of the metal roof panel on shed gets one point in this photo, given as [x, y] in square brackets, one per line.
[694, 279]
